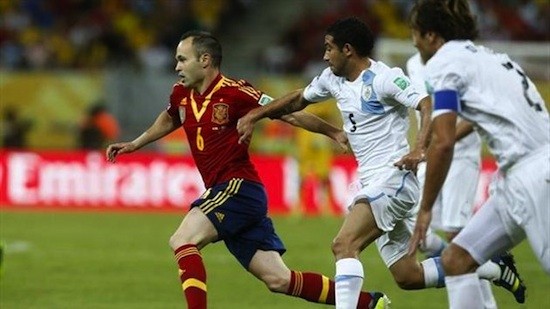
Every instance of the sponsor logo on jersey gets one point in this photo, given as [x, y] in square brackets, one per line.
[264, 99]
[401, 83]
[220, 113]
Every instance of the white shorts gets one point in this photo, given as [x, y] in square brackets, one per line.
[518, 207]
[392, 199]
[455, 203]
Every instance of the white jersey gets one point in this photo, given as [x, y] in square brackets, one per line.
[466, 148]
[374, 112]
[496, 96]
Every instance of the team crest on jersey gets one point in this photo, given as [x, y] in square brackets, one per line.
[181, 112]
[366, 92]
[369, 99]
[220, 113]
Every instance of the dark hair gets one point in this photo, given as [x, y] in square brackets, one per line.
[354, 32]
[205, 43]
[451, 19]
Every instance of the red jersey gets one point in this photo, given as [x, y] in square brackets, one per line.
[210, 121]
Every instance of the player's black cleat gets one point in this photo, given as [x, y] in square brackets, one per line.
[509, 277]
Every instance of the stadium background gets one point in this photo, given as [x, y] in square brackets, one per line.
[59, 58]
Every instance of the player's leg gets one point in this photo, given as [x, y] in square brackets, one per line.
[456, 202]
[200, 227]
[269, 267]
[534, 181]
[358, 231]
[194, 232]
[396, 216]
[485, 236]
[410, 274]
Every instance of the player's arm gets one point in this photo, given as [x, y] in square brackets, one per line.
[163, 125]
[439, 156]
[313, 123]
[463, 129]
[424, 133]
[287, 104]
[417, 154]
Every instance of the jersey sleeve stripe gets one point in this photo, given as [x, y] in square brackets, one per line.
[251, 92]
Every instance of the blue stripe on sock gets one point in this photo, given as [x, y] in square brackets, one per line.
[440, 272]
[344, 277]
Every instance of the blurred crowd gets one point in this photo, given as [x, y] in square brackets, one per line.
[301, 45]
[43, 34]
[90, 34]
[61, 34]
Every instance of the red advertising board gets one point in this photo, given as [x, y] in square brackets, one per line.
[155, 182]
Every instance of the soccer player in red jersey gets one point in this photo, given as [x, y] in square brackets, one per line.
[234, 207]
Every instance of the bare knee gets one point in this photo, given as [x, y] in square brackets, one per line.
[342, 248]
[457, 261]
[176, 241]
[179, 239]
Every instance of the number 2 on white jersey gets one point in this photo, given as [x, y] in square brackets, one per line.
[525, 83]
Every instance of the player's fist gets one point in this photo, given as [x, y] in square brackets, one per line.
[116, 149]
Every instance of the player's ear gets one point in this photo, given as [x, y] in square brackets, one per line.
[205, 60]
[347, 49]
[431, 36]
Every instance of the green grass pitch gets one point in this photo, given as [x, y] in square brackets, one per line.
[121, 260]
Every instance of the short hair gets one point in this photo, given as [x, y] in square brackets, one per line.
[205, 43]
[354, 32]
[451, 19]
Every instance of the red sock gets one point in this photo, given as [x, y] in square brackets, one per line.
[318, 289]
[192, 275]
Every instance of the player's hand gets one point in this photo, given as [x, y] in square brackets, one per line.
[116, 149]
[420, 229]
[245, 127]
[410, 161]
[342, 139]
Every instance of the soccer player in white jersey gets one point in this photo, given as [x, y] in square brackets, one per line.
[455, 203]
[493, 93]
[373, 100]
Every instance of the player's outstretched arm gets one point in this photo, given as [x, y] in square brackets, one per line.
[315, 124]
[163, 125]
[417, 154]
[284, 105]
